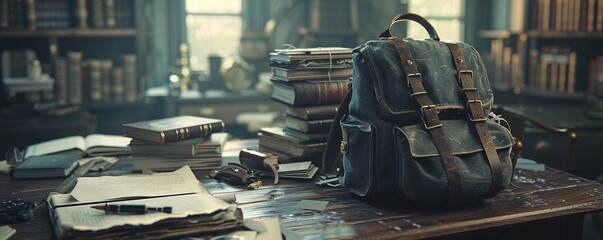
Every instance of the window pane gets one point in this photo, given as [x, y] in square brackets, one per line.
[440, 8]
[447, 29]
[213, 6]
[212, 35]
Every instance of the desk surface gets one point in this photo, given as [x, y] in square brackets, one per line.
[540, 198]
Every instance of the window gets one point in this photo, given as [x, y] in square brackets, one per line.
[213, 29]
[446, 16]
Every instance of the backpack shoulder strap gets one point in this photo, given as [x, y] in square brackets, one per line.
[331, 159]
[476, 115]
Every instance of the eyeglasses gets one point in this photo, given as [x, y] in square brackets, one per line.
[13, 156]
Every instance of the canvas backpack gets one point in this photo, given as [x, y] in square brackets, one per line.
[415, 123]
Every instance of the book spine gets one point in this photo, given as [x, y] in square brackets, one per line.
[74, 77]
[319, 93]
[190, 132]
[313, 113]
[97, 13]
[130, 77]
[110, 20]
[117, 88]
[106, 83]
[80, 14]
[95, 93]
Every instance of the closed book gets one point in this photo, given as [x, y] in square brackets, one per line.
[313, 112]
[314, 126]
[288, 75]
[173, 129]
[291, 148]
[74, 77]
[297, 58]
[314, 64]
[305, 94]
[294, 136]
[286, 158]
[207, 147]
[161, 163]
[46, 166]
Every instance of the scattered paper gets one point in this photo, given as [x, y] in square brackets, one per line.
[312, 205]
[181, 181]
[267, 228]
[85, 218]
[6, 232]
[291, 235]
[101, 166]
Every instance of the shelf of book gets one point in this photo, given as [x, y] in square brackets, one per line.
[69, 32]
[552, 54]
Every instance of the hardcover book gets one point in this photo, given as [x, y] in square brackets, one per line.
[305, 94]
[313, 112]
[291, 148]
[47, 166]
[315, 126]
[294, 136]
[297, 58]
[195, 147]
[289, 75]
[173, 129]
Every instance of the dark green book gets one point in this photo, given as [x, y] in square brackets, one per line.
[46, 166]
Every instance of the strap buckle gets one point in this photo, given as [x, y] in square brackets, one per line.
[423, 108]
[471, 112]
[461, 72]
[409, 76]
[343, 147]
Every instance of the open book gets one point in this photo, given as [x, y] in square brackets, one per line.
[93, 145]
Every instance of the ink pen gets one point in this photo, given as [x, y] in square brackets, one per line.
[131, 208]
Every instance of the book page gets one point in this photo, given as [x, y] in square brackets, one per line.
[97, 143]
[56, 145]
[84, 218]
[180, 181]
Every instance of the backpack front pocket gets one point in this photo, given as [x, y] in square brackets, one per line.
[358, 147]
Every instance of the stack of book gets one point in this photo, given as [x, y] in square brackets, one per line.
[311, 82]
[170, 143]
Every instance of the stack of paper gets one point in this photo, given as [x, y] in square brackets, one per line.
[300, 170]
[194, 210]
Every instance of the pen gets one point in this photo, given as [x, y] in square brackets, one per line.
[131, 208]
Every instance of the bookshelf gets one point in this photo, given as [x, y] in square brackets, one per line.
[93, 49]
[553, 54]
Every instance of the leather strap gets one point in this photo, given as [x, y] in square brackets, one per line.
[476, 115]
[431, 120]
[411, 17]
[331, 159]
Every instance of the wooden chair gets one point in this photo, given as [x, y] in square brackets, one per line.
[518, 121]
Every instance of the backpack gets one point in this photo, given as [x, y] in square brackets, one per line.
[415, 123]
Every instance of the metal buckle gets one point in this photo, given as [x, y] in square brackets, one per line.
[423, 117]
[413, 75]
[470, 111]
[343, 147]
[461, 72]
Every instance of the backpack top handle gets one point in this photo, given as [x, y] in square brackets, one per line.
[411, 17]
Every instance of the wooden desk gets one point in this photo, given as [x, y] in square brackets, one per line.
[548, 205]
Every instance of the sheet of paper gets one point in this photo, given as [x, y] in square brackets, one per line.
[312, 205]
[107, 140]
[83, 217]
[289, 167]
[56, 145]
[267, 228]
[180, 181]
